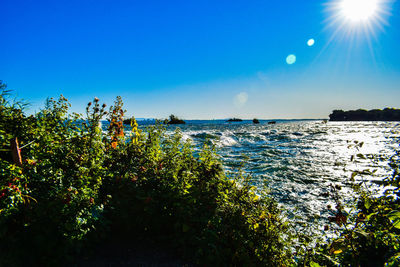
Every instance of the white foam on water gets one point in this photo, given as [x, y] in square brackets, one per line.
[186, 137]
[226, 141]
[299, 160]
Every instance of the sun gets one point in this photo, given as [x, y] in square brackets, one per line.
[358, 16]
[356, 21]
[359, 10]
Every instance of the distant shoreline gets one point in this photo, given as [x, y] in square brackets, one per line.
[387, 114]
[145, 121]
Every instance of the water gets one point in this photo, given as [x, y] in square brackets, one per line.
[299, 159]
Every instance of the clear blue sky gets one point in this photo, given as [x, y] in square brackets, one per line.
[200, 59]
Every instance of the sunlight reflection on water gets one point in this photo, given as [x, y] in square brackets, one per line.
[299, 160]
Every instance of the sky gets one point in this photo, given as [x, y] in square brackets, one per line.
[217, 59]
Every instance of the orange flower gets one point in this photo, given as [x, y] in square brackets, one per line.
[114, 144]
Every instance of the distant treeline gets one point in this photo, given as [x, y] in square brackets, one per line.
[388, 114]
[172, 120]
[234, 120]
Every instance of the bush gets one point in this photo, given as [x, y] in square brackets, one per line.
[370, 234]
[77, 184]
[78, 187]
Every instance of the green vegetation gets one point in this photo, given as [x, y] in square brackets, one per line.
[77, 187]
[368, 234]
[234, 120]
[388, 114]
[174, 120]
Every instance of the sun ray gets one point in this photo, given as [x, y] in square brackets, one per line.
[358, 14]
[354, 20]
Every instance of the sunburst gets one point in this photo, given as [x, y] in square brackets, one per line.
[352, 18]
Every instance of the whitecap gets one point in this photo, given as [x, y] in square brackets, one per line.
[226, 141]
[186, 137]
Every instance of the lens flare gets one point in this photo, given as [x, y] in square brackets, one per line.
[241, 99]
[291, 59]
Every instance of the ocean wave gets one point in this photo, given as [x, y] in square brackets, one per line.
[226, 141]
[299, 160]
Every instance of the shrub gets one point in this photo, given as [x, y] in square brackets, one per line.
[77, 182]
[370, 235]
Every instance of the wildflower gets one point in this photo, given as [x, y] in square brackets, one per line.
[3, 193]
[114, 144]
[143, 169]
[134, 178]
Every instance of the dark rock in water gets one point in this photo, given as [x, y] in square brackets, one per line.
[255, 121]
[388, 114]
[175, 120]
[234, 120]
[272, 122]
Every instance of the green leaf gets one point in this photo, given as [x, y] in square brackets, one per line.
[361, 233]
[394, 216]
[394, 260]
[367, 203]
[314, 264]
[255, 226]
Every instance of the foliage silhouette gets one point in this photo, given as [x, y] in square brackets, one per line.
[388, 114]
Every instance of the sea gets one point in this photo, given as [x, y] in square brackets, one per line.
[299, 161]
